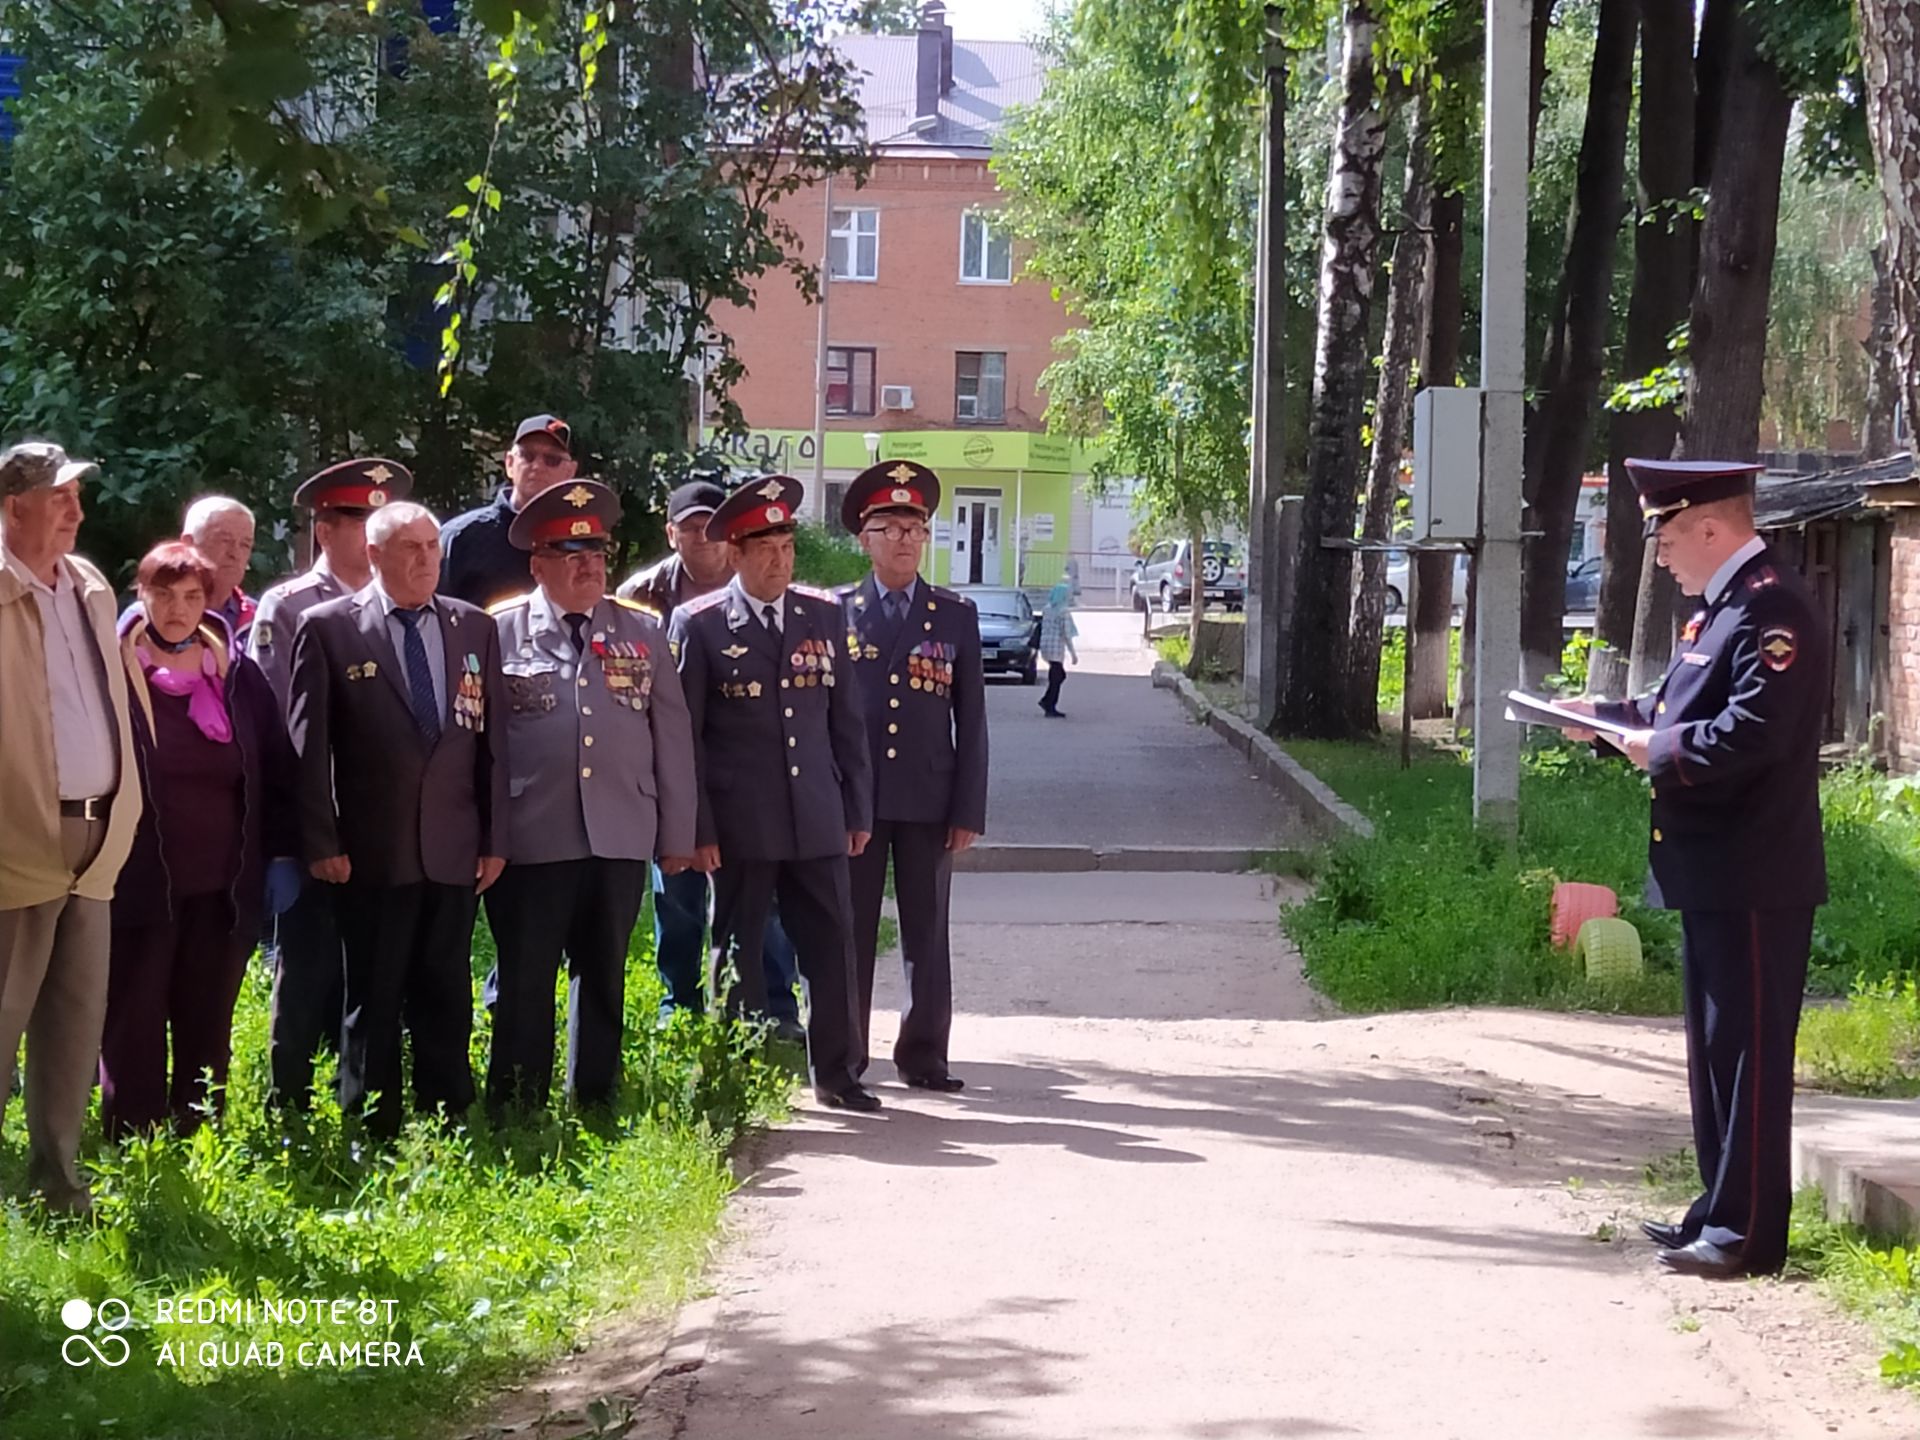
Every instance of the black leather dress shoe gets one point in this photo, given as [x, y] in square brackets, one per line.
[945, 1084]
[854, 1097]
[1667, 1237]
[1705, 1259]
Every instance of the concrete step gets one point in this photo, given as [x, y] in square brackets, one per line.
[1865, 1156]
[1070, 859]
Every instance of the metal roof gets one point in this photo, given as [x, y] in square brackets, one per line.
[1783, 502]
[988, 76]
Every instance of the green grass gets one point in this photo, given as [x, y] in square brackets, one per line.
[1868, 1046]
[498, 1248]
[1431, 912]
[1871, 1277]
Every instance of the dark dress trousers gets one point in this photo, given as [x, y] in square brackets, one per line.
[783, 777]
[1735, 846]
[413, 816]
[924, 693]
[602, 759]
[309, 972]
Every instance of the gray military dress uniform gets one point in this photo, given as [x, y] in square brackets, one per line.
[602, 781]
[309, 969]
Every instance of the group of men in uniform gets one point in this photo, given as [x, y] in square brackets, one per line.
[563, 750]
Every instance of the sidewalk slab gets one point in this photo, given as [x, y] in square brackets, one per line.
[1865, 1157]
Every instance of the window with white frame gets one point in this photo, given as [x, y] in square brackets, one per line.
[854, 253]
[986, 251]
[980, 387]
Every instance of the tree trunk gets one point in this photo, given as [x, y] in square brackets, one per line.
[1562, 427]
[1432, 615]
[1663, 243]
[1313, 701]
[1883, 370]
[1728, 332]
[1890, 49]
[1392, 416]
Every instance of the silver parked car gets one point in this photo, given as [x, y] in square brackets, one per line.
[1163, 579]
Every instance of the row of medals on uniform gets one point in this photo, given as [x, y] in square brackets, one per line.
[469, 698]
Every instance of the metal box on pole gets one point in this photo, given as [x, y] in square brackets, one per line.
[1446, 464]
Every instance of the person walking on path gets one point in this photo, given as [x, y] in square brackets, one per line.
[1056, 645]
[72, 804]
[216, 845]
[928, 741]
[1731, 742]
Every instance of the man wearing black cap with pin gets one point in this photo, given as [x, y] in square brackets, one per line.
[479, 563]
[309, 978]
[601, 755]
[916, 649]
[1731, 743]
[695, 565]
[785, 784]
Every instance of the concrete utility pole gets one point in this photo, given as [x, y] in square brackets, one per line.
[1266, 552]
[1503, 313]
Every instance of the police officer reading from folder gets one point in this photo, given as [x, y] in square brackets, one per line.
[601, 756]
[786, 789]
[916, 649]
[1731, 742]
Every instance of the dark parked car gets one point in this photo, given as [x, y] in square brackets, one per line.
[1583, 586]
[1162, 578]
[1009, 633]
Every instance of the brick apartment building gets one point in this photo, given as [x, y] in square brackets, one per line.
[934, 344]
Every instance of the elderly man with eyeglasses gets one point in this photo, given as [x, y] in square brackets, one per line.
[916, 650]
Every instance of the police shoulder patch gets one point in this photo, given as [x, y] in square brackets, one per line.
[1778, 647]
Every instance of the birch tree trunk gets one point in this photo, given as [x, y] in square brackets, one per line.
[1314, 698]
[1890, 48]
[1392, 415]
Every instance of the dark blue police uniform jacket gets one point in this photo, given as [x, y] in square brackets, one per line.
[1735, 755]
[478, 563]
[926, 706]
[780, 754]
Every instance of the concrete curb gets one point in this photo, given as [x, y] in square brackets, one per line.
[1326, 814]
[1856, 1152]
[1084, 859]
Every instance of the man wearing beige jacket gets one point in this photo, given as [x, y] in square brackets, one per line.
[70, 809]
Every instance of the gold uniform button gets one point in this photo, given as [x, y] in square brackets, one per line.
[796, 769]
[893, 729]
[789, 712]
[586, 710]
[893, 679]
[1656, 837]
[586, 772]
[1661, 708]
[895, 702]
[587, 740]
[792, 740]
[891, 752]
[583, 682]
[784, 684]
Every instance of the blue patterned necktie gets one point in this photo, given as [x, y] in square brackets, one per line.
[895, 604]
[426, 710]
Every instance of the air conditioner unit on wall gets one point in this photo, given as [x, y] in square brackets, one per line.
[896, 397]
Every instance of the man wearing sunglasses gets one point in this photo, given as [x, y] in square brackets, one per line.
[478, 562]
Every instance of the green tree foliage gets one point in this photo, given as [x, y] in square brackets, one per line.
[171, 313]
[1137, 190]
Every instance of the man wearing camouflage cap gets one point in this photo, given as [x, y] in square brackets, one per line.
[65, 740]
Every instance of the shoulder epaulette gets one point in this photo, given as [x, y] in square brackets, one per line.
[310, 580]
[500, 607]
[813, 592]
[705, 602]
[943, 593]
[646, 610]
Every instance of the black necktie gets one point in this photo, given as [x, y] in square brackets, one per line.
[578, 624]
[426, 709]
[769, 619]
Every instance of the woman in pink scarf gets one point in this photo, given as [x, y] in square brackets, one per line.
[215, 767]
